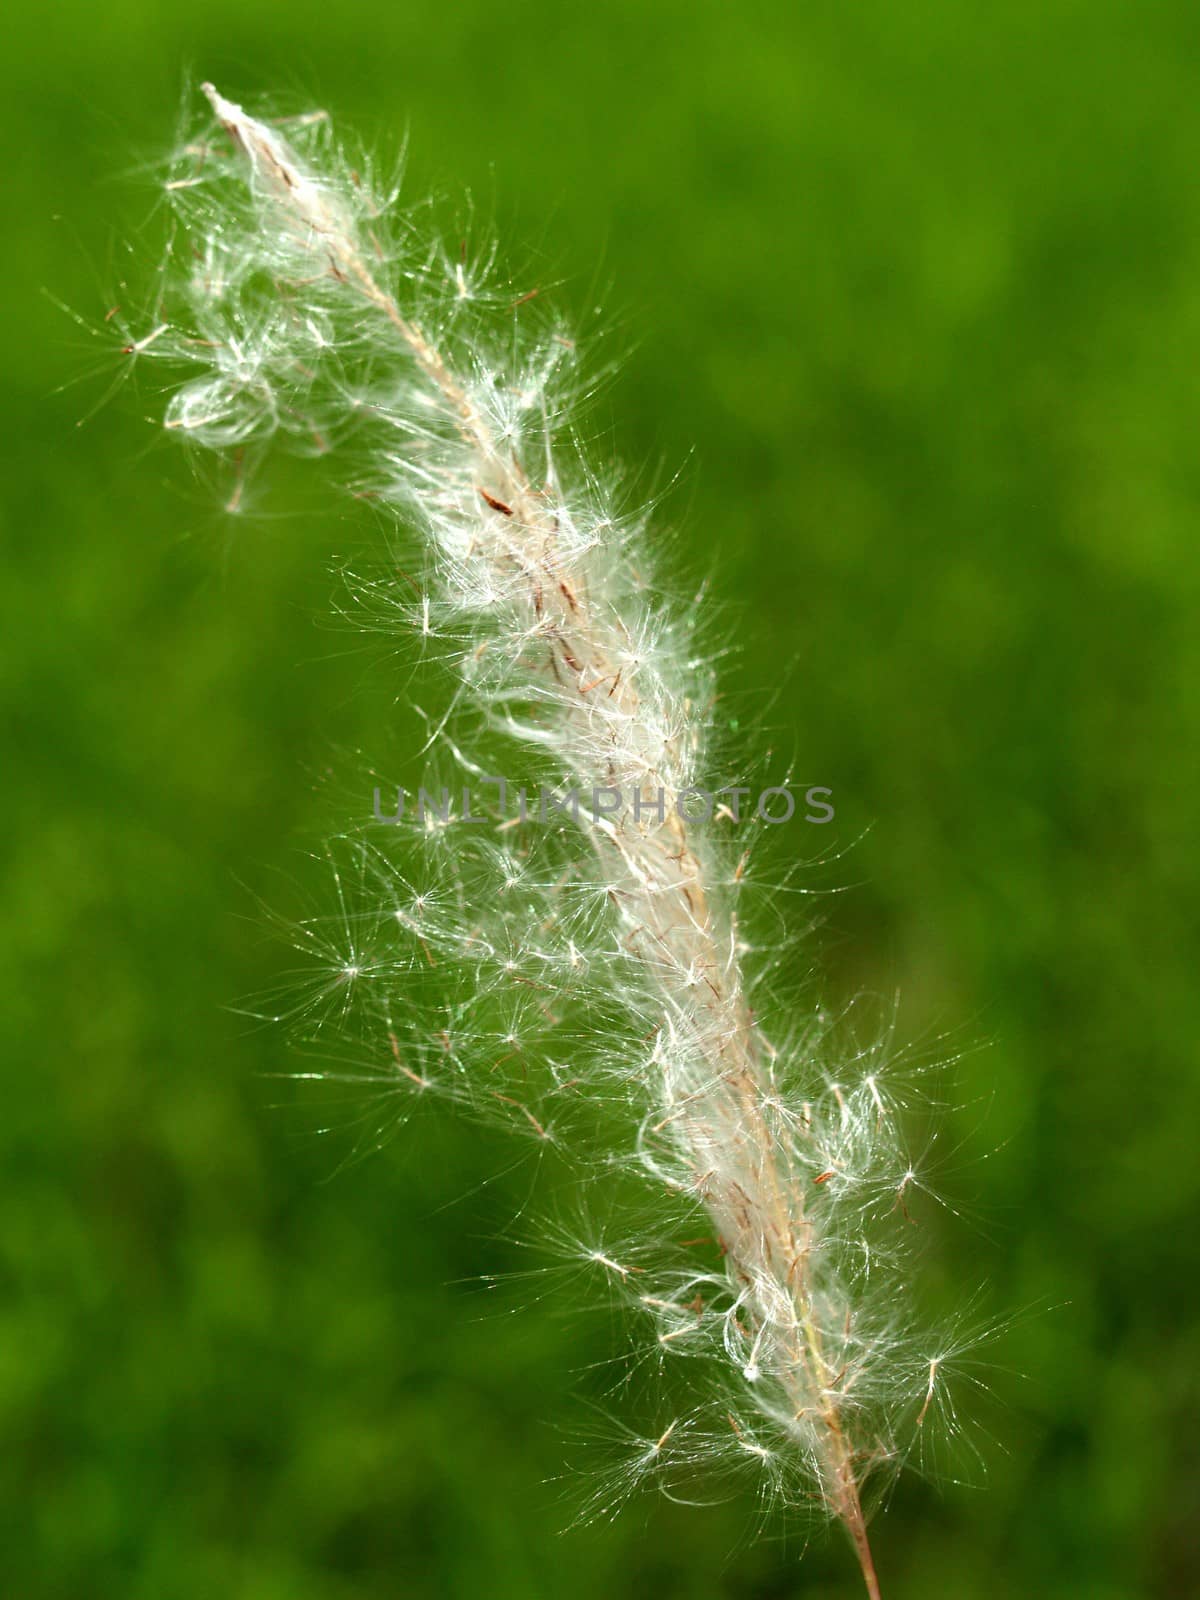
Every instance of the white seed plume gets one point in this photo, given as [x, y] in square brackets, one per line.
[306, 306]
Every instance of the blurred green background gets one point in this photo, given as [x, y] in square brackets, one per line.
[921, 287]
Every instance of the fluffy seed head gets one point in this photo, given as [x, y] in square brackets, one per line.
[524, 970]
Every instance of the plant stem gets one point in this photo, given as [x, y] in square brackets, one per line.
[856, 1524]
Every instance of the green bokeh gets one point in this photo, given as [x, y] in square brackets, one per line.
[921, 286]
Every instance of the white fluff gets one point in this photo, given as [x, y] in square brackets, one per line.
[523, 970]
